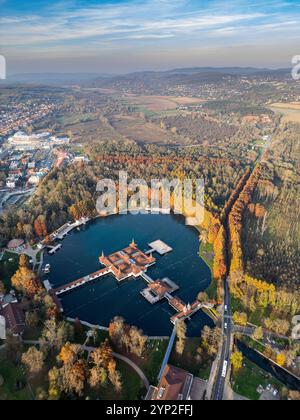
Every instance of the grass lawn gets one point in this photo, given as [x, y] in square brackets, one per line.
[8, 267]
[247, 380]
[152, 361]
[207, 254]
[188, 360]
[75, 118]
[11, 376]
[236, 305]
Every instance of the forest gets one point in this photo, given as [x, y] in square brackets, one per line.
[271, 232]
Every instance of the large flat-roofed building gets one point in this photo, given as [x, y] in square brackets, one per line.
[129, 262]
[24, 142]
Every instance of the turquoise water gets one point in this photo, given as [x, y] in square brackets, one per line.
[99, 302]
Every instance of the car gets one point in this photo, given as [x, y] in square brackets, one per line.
[225, 326]
[226, 308]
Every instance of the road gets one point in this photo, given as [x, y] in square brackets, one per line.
[226, 346]
[227, 320]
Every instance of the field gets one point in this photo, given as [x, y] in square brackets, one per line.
[188, 361]
[290, 111]
[161, 103]
[137, 129]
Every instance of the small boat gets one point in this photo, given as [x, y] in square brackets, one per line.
[47, 268]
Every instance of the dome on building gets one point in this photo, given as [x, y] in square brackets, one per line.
[15, 243]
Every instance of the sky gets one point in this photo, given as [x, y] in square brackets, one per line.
[121, 36]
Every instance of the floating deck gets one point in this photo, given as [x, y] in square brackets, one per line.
[160, 247]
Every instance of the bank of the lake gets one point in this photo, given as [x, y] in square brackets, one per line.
[98, 303]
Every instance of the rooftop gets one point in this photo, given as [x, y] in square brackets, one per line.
[128, 262]
[14, 317]
[174, 385]
[160, 247]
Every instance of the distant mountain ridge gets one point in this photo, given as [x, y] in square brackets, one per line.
[186, 75]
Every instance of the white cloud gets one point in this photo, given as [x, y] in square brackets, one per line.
[74, 29]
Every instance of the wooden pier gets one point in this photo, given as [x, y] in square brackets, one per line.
[81, 282]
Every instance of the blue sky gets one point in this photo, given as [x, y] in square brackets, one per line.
[120, 36]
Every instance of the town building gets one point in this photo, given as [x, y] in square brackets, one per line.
[175, 385]
[12, 318]
[130, 262]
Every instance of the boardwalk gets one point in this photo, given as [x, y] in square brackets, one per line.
[168, 353]
[82, 281]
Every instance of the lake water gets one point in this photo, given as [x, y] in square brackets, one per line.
[99, 302]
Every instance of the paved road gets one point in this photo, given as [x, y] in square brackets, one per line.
[226, 349]
[250, 330]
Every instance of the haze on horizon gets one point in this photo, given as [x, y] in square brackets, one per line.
[121, 36]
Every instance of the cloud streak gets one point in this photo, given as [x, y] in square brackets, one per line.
[82, 27]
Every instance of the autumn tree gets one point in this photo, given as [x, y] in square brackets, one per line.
[181, 337]
[69, 353]
[40, 226]
[117, 329]
[114, 376]
[25, 280]
[219, 266]
[104, 367]
[54, 376]
[237, 360]
[73, 377]
[202, 297]
[294, 396]
[102, 355]
[281, 359]
[240, 318]
[211, 340]
[258, 334]
[2, 288]
[33, 359]
[55, 335]
[137, 341]
[97, 377]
